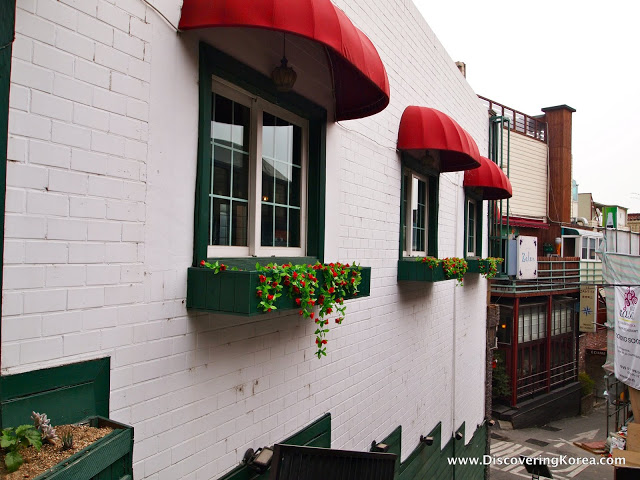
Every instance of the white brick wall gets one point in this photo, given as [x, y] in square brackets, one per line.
[99, 234]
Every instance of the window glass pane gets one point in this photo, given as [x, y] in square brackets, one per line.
[405, 203]
[241, 175]
[222, 120]
[220, 222]
[229, 173]
[471, 227]
[267, 224]
[282, 178]
[221, 171]
[418, 209]
[268, 180]
[281, 181]
[239, 223]
[294, 227]
[592, 249]
[282, 227]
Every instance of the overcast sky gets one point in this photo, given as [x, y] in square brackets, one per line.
[535, 54]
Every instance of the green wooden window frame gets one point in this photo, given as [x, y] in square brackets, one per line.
[216, 63]
[410, 164]
[479, 220]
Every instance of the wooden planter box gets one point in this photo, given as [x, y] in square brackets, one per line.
[474, 265]
[110, 458]
[411, 270]
[234, 292]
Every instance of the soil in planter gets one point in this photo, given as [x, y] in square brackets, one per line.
[36, 462]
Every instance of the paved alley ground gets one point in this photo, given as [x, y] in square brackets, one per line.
[555, 442]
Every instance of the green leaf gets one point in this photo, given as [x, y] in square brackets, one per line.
[22, 429]
[257, 265]
[8, 438]
[34, 438]
[13, 460]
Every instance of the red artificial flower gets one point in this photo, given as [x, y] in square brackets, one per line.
[298, 301]
[202, 262]
[300, 312]
[354, 273]
[259, 293]
[303, 283]
[334, 274]
[329, 310]
[317, 341]
[295, 275]
[324, 342]
[331, 290]
[269, 297]
[321, 299]
[347, 265]
[331, 264]
[296, 289]
[268, 310]
[275, 284]
[311, 302]
[223, 267]
[262, 278]
[312, 314]
[353, 280]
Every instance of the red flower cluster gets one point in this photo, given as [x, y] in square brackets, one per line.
[318, 290]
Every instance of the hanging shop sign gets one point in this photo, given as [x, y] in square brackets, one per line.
[588, 308]
[527, 257]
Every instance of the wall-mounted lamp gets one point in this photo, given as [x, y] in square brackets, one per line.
[426, 440]
[491, 422]
[260, 460]
[283, 76]
[379, 447]
[459, 436]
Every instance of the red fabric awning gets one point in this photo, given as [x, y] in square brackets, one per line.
[525, 222]
[423, 128]
[490, 179]
[360, 79]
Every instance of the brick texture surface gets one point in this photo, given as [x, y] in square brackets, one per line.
[101, 175]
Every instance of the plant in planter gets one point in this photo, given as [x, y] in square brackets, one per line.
[13, 440]
[455, 267]
[489, 267]
[430, 262]
[321, 287]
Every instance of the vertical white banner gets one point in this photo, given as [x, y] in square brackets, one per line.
[627, 341]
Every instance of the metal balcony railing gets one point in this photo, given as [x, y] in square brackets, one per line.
[519, 122]
[555, 274]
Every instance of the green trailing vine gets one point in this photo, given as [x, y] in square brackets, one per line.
[318, 290]
[489, 266]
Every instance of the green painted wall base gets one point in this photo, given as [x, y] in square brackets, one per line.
[318, 434]
[429, 461]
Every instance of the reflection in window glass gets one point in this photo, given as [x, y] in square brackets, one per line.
[229, 172]
[281, 182]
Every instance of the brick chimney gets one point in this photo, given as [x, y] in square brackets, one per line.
[558, 120]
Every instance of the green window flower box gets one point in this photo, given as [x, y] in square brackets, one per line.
[234, 292]
[474, 265]
[109, 458]
[413, 271]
